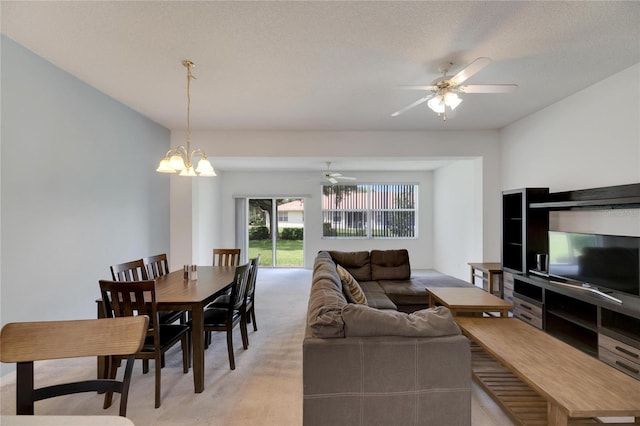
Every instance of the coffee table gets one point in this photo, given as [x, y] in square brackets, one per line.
[468, 299]
[574, 384]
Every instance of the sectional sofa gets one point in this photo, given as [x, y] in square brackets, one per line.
[370, 364]
[387, 280]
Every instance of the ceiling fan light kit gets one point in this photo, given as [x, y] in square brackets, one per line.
[180, 159]
[444, 91]
[334, 177]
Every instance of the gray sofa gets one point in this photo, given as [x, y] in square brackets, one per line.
[373, 365]
[388, 281]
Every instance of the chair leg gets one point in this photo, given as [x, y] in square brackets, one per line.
[24, 388]
[232, 361]
[112, 370]
[207, 339]
[185, 353]
[253, 319]
[158, 368]
[243, 331]
[145, 366]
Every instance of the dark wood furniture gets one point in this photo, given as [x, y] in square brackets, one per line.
[524, 230]
[129, 271]
[590, 322]
[226, 257]
[468, 300]
[596, 325]
[157, 265]
[26, 342]
[173, 292]
[126, 299]
[224, 315]
[573, 384]
[251, 292]
[488, 274]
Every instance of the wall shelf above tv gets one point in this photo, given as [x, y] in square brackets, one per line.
[609, 197]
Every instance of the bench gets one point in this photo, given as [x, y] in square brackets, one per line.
[574, 384]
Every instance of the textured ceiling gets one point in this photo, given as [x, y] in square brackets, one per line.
[327, 65]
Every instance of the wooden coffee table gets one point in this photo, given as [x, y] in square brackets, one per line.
[468, 299]
[574, 384]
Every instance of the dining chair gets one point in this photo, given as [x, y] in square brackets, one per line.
[129, 271]
[26, 342]
[226, 257]
[138, 270]
[251, 292]
[225, 317]
[125, 299]
[157, 266]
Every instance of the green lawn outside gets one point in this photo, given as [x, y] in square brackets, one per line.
[289, 252]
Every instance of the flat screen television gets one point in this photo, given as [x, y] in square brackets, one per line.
[607, 262]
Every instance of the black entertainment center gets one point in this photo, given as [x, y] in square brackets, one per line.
[590, 295]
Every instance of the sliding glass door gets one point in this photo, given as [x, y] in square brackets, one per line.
[275, 227]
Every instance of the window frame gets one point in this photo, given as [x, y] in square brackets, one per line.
[369, 212]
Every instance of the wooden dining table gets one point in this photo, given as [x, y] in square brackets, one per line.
[175, 293]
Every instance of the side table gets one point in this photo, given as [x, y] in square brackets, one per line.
[490, 273]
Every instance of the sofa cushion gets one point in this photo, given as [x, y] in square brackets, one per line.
[358, 263]
[364, 321]
[351, 287]
[326, 300]
[376, 298]
[390, 265]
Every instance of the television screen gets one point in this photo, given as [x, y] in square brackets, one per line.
[603, 261]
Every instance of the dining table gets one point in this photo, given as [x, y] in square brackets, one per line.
[175, 292]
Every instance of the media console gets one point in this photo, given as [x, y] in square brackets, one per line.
[605, 325]
[594, 323]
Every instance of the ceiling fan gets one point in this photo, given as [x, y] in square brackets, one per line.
[334, 177]
[443, 92]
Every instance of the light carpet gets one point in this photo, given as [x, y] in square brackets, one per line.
[264, 389]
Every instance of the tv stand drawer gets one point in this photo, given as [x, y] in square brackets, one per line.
[619, 363]
[620, 349]
[527, 307]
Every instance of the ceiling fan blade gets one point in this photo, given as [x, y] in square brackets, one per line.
[334, 174]
[470, 70]
[332, 180]
[347, 178]
[429, 87]
[408, 107]
[488, 88]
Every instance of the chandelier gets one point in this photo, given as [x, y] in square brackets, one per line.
[180, 159]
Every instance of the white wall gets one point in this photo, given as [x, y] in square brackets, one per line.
[458, 218]
[454, 145]
[79, 191]
[590, 139]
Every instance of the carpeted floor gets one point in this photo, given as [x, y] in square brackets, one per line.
[265, 389]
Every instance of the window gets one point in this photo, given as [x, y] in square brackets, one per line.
[283, 216]
[369, 211]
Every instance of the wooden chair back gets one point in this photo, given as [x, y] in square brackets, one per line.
[226, 257]
[157, 265]
[253, 275]
[239, 288]
[26, 342]
[126, 299]
[129, 271]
